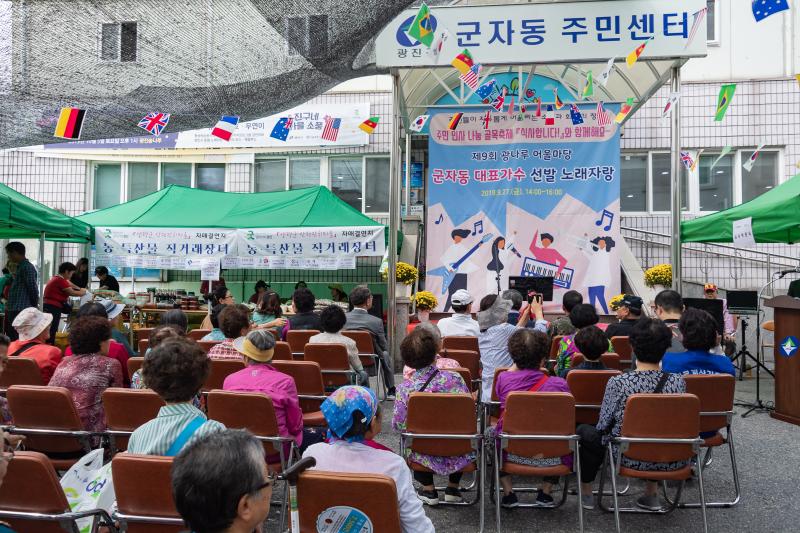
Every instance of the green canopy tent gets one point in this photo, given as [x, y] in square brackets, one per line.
[774, 214]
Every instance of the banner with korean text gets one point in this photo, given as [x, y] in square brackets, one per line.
[524, 195]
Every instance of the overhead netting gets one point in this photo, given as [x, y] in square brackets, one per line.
[195, 59]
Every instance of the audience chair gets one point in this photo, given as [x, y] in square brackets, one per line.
[134, 364]
[588, 388]
[333, 361]
[715, 392]
[308, 380]
[538, 425]
[31, 498]
[429, 432]
[20, 371]
[465, 374]
[143, 334]
[143, 345]
[461, 342]
[491, 409]
[197, 334]
[126, 410]
[469, 359]
[374, 495]
[143, 488]
[611, 360]
[221, 369]
[660, 428]
[554, 346]
[207, 345]
[768, 325]
[282, 352]
[366, 352]
[298, 338]
[48, 418]
[622, 347]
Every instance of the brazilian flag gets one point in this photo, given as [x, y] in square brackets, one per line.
[726, 93]
[421, 28]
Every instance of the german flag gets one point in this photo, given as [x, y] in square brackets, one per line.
[70, 122]
[454, 121]
[369, 125]
[463, 61]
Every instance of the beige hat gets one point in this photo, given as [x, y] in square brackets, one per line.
[31, 322]
[259, 345]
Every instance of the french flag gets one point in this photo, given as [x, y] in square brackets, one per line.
[225, 127]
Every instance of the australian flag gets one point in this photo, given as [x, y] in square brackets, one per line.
[485, 90]
[575, 115]
[281, 129]
[764, 8]
[154, 122]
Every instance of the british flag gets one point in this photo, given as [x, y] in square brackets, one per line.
[331, 130]
[154, 122]
[603, 118]
[687, 160]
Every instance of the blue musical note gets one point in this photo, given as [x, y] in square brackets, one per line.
[477, 227]
[439, 220]
[610, 215]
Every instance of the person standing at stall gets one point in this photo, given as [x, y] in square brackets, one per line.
[80, 278]
[56, 296]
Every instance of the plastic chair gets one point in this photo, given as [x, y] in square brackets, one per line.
[588, 388]
[48, 418]
[492, 407]
[20, 371]
[333, 363]
[538, 425]
[143, 334]
[374, 495]
[221, 369]
[461, 342]
[308, 380]
[31, 498]
[429, 432]
[622, 347]
[298, 338]
[282, 352]
[768, 325]
[659, 428]
[366, 352]
[126, 410]
[197, 334]
[469, 359]
[134, 364]
[143, 488]
[611, 360]
[143, 345]
[207, 345]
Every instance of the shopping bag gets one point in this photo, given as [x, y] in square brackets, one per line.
[88, 485]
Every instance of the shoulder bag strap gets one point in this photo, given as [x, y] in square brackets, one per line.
[425, 386]
[539, 384]
[184, 436]
[23, 349]
[661, 382]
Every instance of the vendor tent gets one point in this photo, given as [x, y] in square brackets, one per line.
[23, 218]
[774, 215]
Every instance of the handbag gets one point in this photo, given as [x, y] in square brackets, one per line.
[87, 486]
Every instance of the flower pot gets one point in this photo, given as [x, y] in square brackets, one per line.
[424, 315]
[658, 288]
[402, 290]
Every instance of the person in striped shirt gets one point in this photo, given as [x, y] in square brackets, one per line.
[176, 370]
[234, 321]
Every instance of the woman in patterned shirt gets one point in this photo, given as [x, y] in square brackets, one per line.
[419, 352]
[234, 321]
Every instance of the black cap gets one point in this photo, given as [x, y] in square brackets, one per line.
[632, 302]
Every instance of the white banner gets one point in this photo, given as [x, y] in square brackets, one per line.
[311, 242]
[296, 263]
[549, 33]
[135, 244]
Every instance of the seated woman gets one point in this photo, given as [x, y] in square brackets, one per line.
[157, 336]
[261, 288]
[649, 339]
[592, 343]
[699, 330]
[215, 334]
[268, 308]
[581, 316]
[529, 350]
[90, 371]
[333, 320]
[116, 350]
[442, 363]
[175, 370]
[234, 321]
[354, 417]
[419, 352]
[220, 296]
[177, 319]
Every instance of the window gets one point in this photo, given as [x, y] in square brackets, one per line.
[270, 175]
[118, 41]
[176, 174]
[633, 187]
[716, 186]
[303, 173]
[376, 184]
[107, 185]
[346, 178]
[662, 186]
[307, 36]
[142, 179]
[762, 178]
[711, 21]
[210, 176]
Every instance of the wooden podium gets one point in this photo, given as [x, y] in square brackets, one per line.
[787, 368]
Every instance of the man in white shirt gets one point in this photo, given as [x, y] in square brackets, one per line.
[461, 322]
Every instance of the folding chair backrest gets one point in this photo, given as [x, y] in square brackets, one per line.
[143, 487]
[46, 408]
[715, 392]
[330, 357]
[497, 372]
[31, 486]
[127, 409]
[298, 338]
[450, 414]
[254, 412]
[366, 348]
[662, 416]
[622, 347]
[221, 369]
[554, 345]
[134, 364]
[374, 495]
[469, 359]
[539, 413]
[588, 388]
[282, 352]
[207, 345]
[308, 380]
[461, 342]
[20, 371]
[143, 333]
[197, 334]
[143, 345]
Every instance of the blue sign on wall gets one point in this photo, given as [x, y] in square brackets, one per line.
[788, 346]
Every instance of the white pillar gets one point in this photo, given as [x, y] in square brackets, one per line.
[394, 216]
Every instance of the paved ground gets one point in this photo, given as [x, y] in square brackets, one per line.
[769, 467]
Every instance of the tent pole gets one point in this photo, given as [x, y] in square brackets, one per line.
[675, 175]
[394, 217]
[41, 272]
[407, 162]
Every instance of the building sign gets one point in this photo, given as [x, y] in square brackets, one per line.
[549, 33]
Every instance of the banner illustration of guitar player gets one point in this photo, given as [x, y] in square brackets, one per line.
[524, 194]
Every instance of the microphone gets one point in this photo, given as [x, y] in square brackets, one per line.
[790, 271]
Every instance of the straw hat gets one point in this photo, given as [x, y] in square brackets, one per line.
[249, 346]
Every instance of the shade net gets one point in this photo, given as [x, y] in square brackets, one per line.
[195, 59]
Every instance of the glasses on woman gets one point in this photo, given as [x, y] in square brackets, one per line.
[270, 481]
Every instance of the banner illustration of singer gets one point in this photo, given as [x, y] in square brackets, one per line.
[517, 197]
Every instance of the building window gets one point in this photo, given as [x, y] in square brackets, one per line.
[376, 185]
[346, 179]
[762, 178]
[270, 175]
[716, 186]
[210, 176]
[633, 186]
[711, 21]
[107, 185]
[142, 179]
[176, 174]
[304, 173]
[662, 186]
[307, 36]
[118, 41]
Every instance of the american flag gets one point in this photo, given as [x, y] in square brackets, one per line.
[154, 122]
[603, 118]
[470, 77]
[331, 130]
[698, 19]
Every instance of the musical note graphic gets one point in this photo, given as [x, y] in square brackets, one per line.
[477, 228]
[610, 215]
[439, 220]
